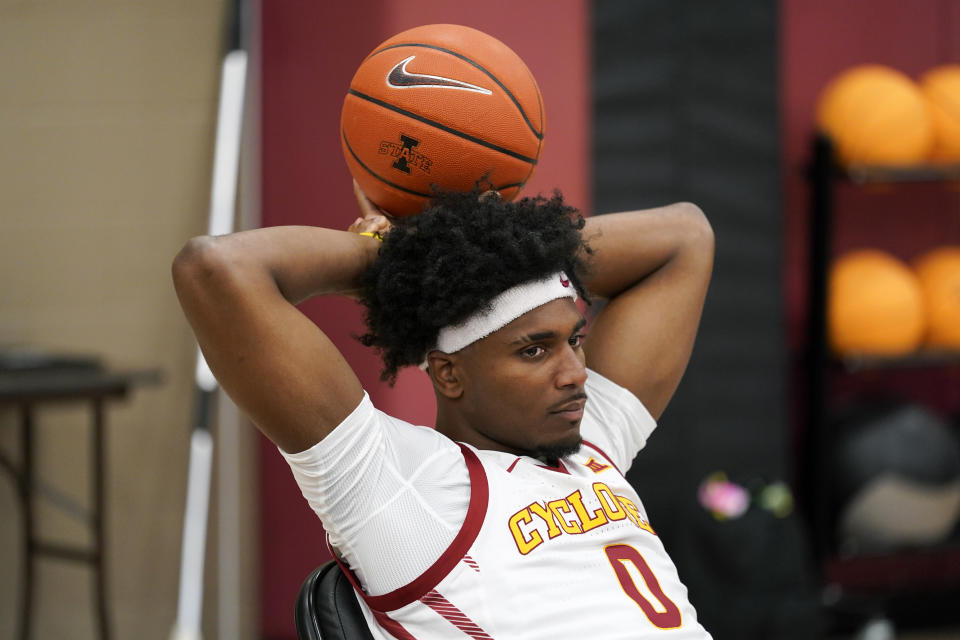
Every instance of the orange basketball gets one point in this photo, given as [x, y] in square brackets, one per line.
[442, 105]
[874, 305]
[876, 115]
[941, 88]
[939, 274]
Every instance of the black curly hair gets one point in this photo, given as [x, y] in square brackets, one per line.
[440, 267]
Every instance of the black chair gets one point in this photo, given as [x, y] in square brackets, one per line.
[327, 607]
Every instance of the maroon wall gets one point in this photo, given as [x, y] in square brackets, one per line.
[310, 51]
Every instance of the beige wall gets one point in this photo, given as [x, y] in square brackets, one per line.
[106, 129]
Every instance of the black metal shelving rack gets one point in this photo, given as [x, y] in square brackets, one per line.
[876, 576]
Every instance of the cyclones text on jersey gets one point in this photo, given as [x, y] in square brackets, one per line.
[569, 515]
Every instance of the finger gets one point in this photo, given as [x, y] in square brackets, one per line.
[379, 223]
[371, 225]
[367, 208]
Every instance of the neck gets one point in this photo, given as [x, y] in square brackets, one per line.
[454, 424]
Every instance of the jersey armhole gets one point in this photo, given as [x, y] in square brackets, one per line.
[429, 579]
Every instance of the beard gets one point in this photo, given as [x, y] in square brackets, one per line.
[551, 453]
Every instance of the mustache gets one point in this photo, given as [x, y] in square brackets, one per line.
[580, 395]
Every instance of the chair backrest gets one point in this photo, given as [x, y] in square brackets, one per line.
[327, 607]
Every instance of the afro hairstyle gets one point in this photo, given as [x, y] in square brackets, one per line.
[440, 267]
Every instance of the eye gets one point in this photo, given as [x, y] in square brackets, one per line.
[533, 352]
[576, 341]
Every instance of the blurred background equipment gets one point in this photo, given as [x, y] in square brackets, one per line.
[875, 306]
[897, 470]
[876, 115]
[223, 193]
[107, 127]
[938, 272]
[876, 579]
[32, 380]
[478, 113]
[728, 500]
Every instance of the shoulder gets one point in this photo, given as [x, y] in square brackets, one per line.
[608, 399]
[369, 433]
[614, 419]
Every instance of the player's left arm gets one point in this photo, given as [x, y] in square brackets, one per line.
[654, 268]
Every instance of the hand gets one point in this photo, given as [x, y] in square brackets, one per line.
[489, 193]
[373, 219]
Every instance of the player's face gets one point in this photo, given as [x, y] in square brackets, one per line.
[523, 391]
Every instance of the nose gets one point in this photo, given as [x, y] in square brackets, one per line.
[572, 371]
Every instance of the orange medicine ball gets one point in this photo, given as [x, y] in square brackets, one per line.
[939, 274]
[874, 305]
[876, 115]
[941, 88]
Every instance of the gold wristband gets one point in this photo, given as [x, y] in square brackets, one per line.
[372, 234]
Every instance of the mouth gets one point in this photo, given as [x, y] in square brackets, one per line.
[572, 408]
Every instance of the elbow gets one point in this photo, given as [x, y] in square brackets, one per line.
[697, 242]
[696, 218]
[698, 230]
[197, 263]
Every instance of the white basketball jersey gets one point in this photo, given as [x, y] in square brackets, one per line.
[562, 552]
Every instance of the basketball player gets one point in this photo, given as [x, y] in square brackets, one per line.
[512, 518]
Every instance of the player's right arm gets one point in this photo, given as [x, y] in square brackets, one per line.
[238, 292]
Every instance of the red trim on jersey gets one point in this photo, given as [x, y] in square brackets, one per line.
[476, 512]
[560, 468]
[391, 626]
[470, 562]
[449, 612]
[603, 453]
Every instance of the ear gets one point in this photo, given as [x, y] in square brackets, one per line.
[445, 373]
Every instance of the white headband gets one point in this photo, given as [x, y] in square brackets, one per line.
[504, 309]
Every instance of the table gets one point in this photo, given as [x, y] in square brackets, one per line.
[57, 380]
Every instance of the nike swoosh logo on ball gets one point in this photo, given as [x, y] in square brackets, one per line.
[400, 78]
